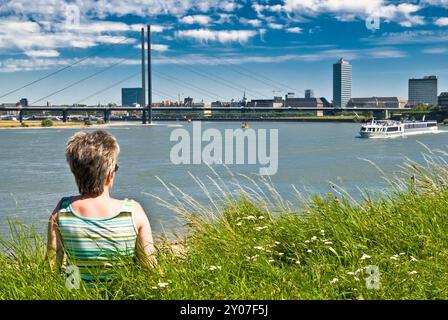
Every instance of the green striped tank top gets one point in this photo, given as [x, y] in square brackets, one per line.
[97, 245]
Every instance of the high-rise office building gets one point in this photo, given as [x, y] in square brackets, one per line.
[129, 96]
[423, 91]
[342, 83]
[309, 94]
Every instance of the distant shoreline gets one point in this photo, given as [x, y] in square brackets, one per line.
[80, 125]
[10, 124]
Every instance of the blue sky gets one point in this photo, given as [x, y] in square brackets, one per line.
[216, 49]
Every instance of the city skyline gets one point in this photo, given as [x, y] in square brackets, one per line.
[226, 40]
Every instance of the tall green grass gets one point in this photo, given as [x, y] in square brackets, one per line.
[251, 244]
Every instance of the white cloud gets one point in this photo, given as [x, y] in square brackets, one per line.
[442, 22]
[15, 65]
[349, 10]
[42, 53]
[41, 39]
[319, 6]
[36, 38]
[275, 26]
[385, 53]
[154, 47]
[160, 47]
[196, 19]
[331, 55]
[225, 18]
[402, 14]
[437, 3]
[251, 22]
[229, 6]
[223, 36]
[409, 37]
[294, 30]
[55, 9]
[435, 50]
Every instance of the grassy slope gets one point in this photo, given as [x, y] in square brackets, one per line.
[247, 252]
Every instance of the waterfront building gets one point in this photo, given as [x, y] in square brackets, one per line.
[377, 102]
[290, 95]
[131, 96]
[277, 102]
[342, 83]
[443, 99]
[423, 91]
[309, 94]
[188, 102]
[23, 102]
[304, 103]
[8, 105]
[316, 103]
[228, 104]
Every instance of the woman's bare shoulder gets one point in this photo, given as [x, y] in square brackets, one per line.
[139, 214]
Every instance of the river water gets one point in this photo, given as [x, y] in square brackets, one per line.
[34, 174]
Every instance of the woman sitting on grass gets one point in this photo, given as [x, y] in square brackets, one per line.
[94, 231]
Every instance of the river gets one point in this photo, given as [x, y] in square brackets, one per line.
[34, 174]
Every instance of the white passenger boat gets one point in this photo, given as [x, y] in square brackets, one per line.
[390, 128]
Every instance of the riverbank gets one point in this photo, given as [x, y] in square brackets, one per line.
[250, 247]
[8, 124]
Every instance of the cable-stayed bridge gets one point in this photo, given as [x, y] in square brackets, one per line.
[149, 89]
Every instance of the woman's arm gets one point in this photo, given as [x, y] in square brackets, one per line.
[55, 253]
[145, 243]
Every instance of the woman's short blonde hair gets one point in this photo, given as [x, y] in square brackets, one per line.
[92, 157]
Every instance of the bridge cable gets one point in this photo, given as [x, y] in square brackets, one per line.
[192, 87]
[108, 87]
[251, 73]
[57, 71]
[81, 80]
[218, 79]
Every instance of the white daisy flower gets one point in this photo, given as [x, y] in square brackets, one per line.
[212, 268]
[335, 280]
[365, 256]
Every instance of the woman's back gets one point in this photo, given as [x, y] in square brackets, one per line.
[97, 244]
